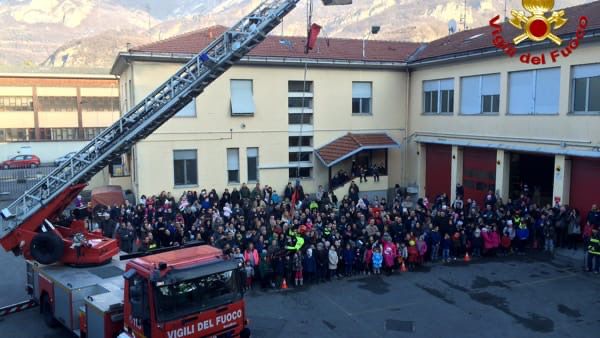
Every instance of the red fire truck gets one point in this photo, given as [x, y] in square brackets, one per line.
[73, 273]
[185, 292]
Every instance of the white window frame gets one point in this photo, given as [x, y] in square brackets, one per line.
[588, 72]
[186, 178]
[440, 85]
[188, 111]
[249, 150]
[233, 164]
[242, 103]
[362, 98]
[480, 94]
[534, 107]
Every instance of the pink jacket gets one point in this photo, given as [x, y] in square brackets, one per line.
[254, 255]
[491, 239]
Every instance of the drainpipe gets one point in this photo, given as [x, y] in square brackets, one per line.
[406, 131]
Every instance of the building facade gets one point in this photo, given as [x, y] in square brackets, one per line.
[264, 118]
[54, 113]
[458, 111]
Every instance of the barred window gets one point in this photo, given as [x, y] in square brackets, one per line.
[16, 103]
[58, 103]
[100, 103]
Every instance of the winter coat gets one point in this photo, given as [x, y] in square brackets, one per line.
[377, 260]
[264, 267]
[333, 259]
[413, 254]
[491, 240]
[523, 232]
[389, 253]
[368, 256]
[310, 264]
[348, 256]
[254, 255]
[446, 244]
[322, 258]
[298, 263]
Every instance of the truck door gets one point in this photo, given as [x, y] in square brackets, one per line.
[139, 318]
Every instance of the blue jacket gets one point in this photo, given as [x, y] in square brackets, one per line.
[310, 264]
[522, 232]
[446, 244]
[348, 256]
[435, 237]
[377, 260]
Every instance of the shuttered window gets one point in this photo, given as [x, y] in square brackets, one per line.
[242, 99]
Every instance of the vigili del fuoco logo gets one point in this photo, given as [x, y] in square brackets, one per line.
[537, 26]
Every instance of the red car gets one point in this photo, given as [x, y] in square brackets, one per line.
[22, 161]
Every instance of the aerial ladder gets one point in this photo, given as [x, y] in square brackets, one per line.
[25, 225]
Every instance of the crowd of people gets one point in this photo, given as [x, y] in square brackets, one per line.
[300, 238]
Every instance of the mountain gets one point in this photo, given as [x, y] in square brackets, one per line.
[74, 33]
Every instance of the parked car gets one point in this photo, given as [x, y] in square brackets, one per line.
[64, 158]
[22, 161]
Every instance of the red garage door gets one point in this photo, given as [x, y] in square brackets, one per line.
[585, 184]
[479, 172]
[438, 167]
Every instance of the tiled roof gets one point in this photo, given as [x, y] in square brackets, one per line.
[350, 144]
[279, 46]
[481, 38]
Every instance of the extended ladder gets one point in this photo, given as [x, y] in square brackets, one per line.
[151, 112]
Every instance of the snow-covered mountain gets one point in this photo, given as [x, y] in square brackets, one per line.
[91, 32]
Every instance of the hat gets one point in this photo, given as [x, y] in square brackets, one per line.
[411, 243]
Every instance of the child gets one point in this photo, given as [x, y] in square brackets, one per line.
[249, 270]
[368, 259]
[446, 244]
[299, 281]
[413, 255]
[477, 243]
[348, 256]
[377, 260]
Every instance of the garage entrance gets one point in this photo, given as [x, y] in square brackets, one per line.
[479, 173]
[534, 170]
[438, 170]
[585, 183]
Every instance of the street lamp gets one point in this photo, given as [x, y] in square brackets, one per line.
[374, 31]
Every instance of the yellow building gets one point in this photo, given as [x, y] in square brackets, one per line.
[456, 110]
[264, 118]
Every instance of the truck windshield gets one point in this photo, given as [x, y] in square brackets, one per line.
[192, 296]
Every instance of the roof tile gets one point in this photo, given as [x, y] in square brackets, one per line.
[345, 145]
[289, 46]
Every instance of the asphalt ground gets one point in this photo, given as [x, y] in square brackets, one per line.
[514, 297]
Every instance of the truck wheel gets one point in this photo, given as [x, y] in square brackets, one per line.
[47, 248]
[46, 309]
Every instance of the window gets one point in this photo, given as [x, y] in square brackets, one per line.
[300, 86]
[480, 94]
[64, 134]
[534, 92]
[233, 165]
[119, 167]
[16, 103]
[58, 103]
[242, 100]
[252, 154]
[188, 111]
[185, 167]
[100, 103]
[586, 89]
[300, 102]
[362, 97]
[91, 133]
[304, 156]
[296, 142]
[16, 134]
[300, 118]
[438, 96]
[300, 172]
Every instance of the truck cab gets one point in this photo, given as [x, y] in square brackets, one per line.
[192, 292]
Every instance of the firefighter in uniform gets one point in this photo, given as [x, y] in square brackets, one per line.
[298, 239]
[594, 251]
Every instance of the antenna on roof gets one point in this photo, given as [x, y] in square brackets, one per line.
[452, 26]
[463, 17]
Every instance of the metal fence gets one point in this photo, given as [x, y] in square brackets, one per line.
[14, 182]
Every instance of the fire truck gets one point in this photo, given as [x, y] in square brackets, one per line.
[74, 275]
